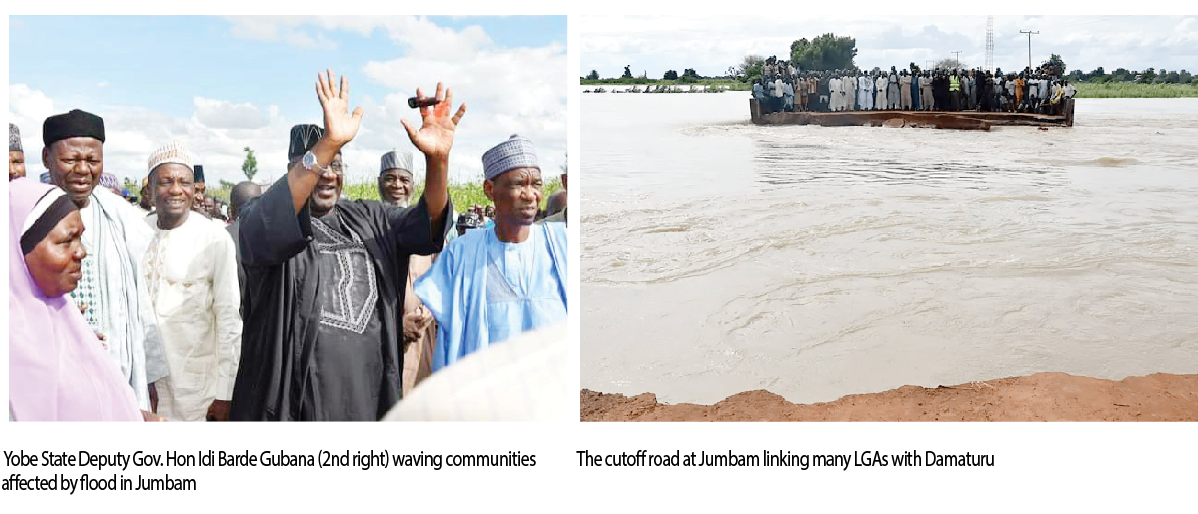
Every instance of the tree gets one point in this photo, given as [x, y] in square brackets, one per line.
[948, 63]
[1098, 72]
[594, 75]
[689, 76]
[1121, 71]
[250, 165]
[670, 75]
[749, 67]
[1055, 64]
[1148, 75]
[627, 72]
[914, 69]
[826, 52]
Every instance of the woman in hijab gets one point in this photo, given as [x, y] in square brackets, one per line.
[58, 369]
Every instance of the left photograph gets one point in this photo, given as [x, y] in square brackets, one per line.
[288, 219]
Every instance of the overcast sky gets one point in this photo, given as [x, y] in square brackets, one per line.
[220, 84]
[710, 44]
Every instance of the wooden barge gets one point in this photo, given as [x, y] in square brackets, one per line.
[960, 120]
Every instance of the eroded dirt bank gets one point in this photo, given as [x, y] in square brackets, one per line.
[1038, 397]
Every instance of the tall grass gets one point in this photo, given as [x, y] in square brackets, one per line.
[462, 195]
[1134, 90]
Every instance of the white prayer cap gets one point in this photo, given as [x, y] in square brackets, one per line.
[396, 160]
[516, 152]
[172, 152]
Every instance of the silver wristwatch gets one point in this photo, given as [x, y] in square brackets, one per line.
[310, 163]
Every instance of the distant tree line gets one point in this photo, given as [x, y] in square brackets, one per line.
[1148, 76]
[688, 76]
[831, 52]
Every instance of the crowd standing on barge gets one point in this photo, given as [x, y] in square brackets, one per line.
[784, 88]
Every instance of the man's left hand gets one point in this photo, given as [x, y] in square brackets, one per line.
[218, 411]
[435, 136]
[153, 397]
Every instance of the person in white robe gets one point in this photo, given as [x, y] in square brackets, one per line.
[1046, 91]
[905, 90]
[191, 269]
[927, 101]
[880, 87]
[865, 97]
[112, 290]
[849, 86]
[834, 94]
[778, 93]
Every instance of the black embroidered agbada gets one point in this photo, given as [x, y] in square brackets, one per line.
[321, 336]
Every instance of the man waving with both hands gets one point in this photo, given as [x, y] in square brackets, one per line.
[325, 277]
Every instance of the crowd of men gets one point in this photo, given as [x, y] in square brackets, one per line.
[304, 304]
[783, 88]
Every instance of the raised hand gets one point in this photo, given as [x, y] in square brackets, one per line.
[435, 136]
[339, 126]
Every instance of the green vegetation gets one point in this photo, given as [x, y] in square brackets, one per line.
[250, 165]
[730, 84]
[826, 52]
[1135, 90]
[461, 194]
[1148, 76]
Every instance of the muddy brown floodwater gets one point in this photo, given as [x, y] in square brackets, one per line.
[817, 262]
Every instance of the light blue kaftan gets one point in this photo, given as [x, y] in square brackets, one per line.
[483, 291]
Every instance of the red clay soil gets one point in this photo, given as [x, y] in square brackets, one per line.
[1038, 397]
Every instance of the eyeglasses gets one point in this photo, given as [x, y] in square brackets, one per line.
[338, 168]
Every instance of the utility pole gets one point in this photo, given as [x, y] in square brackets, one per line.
[957, 58]
[1029, 45]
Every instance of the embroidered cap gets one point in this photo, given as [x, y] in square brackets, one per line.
[396, 160]
[516, 152]
[173, 152]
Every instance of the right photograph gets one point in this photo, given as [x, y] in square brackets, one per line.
[889, 218]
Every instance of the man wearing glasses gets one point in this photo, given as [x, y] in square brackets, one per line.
[325, 277]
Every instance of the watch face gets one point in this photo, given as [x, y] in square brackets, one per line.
[309, 160]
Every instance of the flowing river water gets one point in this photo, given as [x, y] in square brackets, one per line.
[721, 257]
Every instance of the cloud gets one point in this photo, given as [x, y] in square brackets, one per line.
[285, 29]
[711, 44]
[216, 133]
[28, 104]
[219, 114]
[508, 90]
